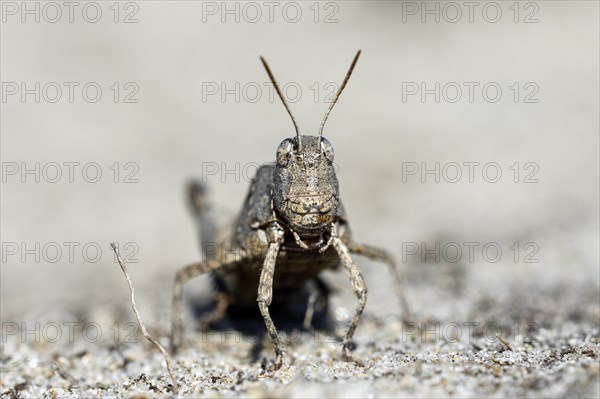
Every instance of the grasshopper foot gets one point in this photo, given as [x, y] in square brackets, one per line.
[276, 365]
[278, 361]
[348, 357]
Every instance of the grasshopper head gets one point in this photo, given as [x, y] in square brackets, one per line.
[305, 187]
[306, 191]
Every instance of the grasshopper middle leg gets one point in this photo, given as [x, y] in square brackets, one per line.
[320, 292]
[381, 255]
[185, 274]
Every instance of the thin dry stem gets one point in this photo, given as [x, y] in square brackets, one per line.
[141, 323]
[505, 342]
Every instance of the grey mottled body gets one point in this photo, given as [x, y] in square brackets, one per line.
[291, 228]
[295, 265]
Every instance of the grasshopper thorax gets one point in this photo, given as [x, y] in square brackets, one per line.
[305, 186]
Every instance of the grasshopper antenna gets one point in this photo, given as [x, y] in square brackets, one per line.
[285, 104]
[337, 95]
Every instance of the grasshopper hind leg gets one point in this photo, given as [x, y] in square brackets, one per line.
[206, 216]
[203, 211]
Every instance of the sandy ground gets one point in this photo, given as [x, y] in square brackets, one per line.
[502, 276]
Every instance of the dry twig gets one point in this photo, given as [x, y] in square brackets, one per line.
[505, 342]
[141, 323]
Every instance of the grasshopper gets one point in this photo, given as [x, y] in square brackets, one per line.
[291, 228]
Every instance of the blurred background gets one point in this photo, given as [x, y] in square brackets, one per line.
[183, 95]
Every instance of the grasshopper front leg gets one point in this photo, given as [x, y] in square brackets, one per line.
[358, 286]
[265, 288]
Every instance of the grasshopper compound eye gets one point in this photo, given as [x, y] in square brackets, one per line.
[284, 152]
[327, 149]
